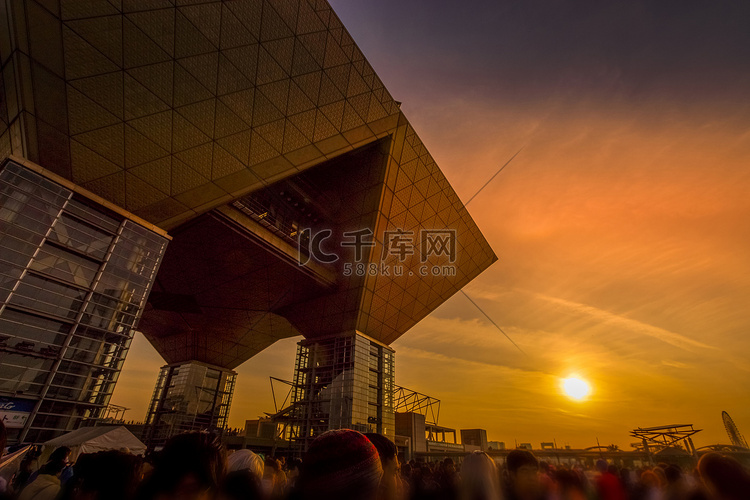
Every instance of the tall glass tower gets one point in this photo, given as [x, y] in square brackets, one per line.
[345, 381]
[75, 273]
[191, 396]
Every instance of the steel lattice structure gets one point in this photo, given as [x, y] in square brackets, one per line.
[407, 400]
[659, 438]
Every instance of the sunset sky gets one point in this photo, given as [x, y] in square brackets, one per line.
[622, 228]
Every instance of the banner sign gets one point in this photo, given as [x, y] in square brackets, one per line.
[14, 412]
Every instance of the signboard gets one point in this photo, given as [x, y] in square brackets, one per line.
[15, 412]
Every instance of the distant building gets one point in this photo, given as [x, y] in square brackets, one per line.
[189, 396]
[495, 445]
[474, 439]
[423, 438]
[262, 428]
[411, 433]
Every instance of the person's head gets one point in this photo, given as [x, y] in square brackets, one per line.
[388, 454]
[544, 467]
[569, 482]
[406, 470]
[601, 466]
[106, 475]
[245, 460]
[53, 467]
[190, 467]
[61, 454]
[659, 471]
[723, 476]
[293, 467]
[340, 465]
[425, 471]
[650, 480]
[271, 475]
[625, 475]
[449, 466]
[479, 477]
[523, 473]
[673, 473]
[241, 484]
[27, 464]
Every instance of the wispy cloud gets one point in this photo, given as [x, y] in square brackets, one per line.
[629, 324]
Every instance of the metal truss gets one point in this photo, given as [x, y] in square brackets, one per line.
[659, 438]
[407, 400]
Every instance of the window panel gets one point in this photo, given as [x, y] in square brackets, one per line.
[56, 262]
[93, 216]
[23, 374]
[80, 236]
[22, 326]
[48, 296]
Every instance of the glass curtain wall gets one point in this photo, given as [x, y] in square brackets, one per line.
[74, 278]
[342, 382]
[189, 397]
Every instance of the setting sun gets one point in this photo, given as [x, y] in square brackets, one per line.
[576, 388]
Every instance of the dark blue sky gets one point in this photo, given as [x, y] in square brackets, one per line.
[520, 49]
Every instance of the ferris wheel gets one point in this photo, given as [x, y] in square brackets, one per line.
[732, 431]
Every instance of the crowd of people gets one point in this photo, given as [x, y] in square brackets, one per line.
[347, 465]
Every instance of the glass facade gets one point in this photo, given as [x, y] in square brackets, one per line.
[342, 382]
[189, 396]
[74, 277]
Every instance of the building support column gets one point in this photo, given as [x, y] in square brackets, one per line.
[189, 396]
[342, 382]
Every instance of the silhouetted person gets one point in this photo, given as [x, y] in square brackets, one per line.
[274, 479]
[46, 485]
[659, 471]
[105, 475]
[522, 476]
[293, 470]
[626, 480]
[26, 468]
[423, 484]
[340, 465]
[390, 484]
[190, 467]
[608, 484]
[447, 479]
[723, 477]
[479, 478]
[241, 485]
[60, 454]
[648, 487]
[246, 460]
[570, 485]
[676, 487]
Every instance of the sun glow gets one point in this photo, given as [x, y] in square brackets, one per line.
[576, 388]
